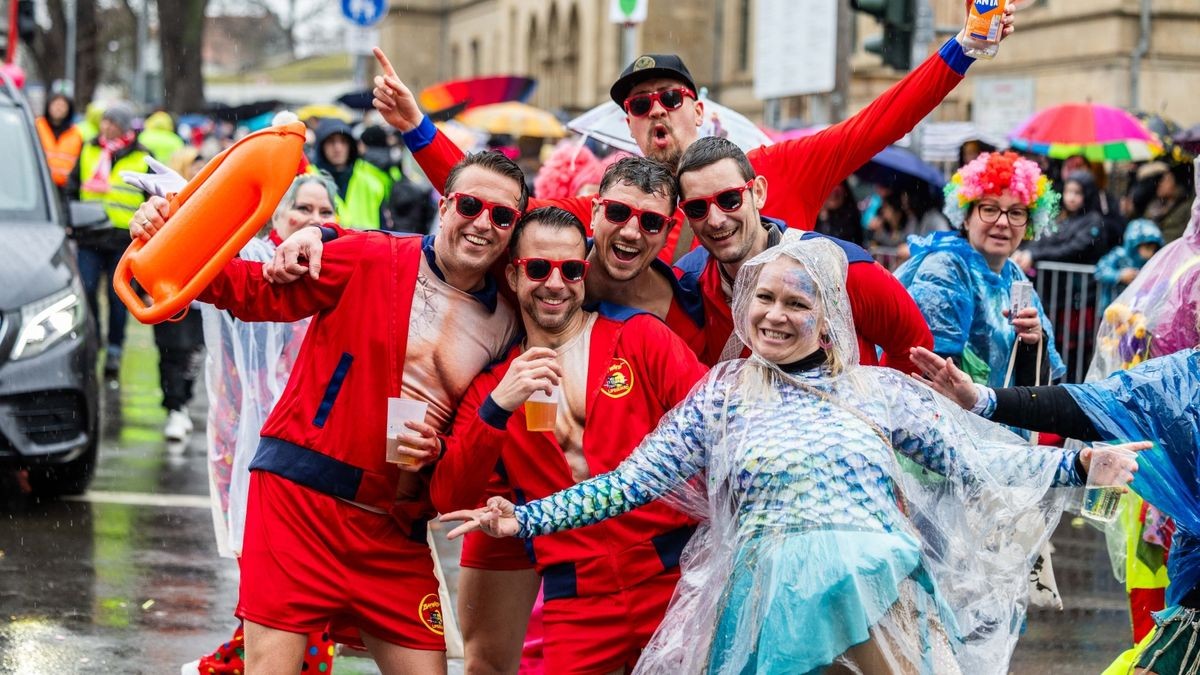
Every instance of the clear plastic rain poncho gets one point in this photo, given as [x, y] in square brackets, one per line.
[246, 368]
[963, 300]
[849, 513]
[1156, 314]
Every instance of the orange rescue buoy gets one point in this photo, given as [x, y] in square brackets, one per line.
[214, 216]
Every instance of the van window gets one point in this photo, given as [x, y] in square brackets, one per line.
[22, 196]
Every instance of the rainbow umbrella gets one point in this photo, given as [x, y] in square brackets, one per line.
[476, 91]
[1097, 132]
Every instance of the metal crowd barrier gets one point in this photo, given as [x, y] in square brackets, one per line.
[1069, 295]
[888, 256]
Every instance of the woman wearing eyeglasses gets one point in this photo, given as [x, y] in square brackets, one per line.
[962, 279]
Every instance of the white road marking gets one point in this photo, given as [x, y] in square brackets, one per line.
[144, 499]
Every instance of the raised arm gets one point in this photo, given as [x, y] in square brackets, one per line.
[886, 315]
[813, 165]
[432, 149]
[241, 288]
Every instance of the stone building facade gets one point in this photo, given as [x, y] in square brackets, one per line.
[1069, 49]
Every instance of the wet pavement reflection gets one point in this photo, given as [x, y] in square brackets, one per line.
[127, 579]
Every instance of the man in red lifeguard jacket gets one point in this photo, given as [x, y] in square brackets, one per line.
[618, 370]
[335, 535]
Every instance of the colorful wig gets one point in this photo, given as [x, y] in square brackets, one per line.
[990, 174]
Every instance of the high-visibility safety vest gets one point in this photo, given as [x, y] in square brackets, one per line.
[61, 152]
[161, 143]
[367, 191]
[122, 199]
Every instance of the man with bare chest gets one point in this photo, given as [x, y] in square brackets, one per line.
[616, 371]
[335, 533]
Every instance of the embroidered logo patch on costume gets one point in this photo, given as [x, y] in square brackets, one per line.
[619, 379]
[430, 611]
[643, 63]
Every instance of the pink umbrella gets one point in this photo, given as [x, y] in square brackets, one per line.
[1097, 132]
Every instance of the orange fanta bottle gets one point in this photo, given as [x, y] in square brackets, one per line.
[221, 209]
[985, 21]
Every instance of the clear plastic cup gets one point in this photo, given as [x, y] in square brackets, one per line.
[401, 410]
[1105, 483]
[541, 410]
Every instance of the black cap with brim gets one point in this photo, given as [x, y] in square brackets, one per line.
[649, 67]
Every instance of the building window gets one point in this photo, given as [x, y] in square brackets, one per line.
[475, 59]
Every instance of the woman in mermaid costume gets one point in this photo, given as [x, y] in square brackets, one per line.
[853, 520]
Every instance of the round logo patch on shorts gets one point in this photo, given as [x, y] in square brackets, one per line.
[618, 381]
[430, 611]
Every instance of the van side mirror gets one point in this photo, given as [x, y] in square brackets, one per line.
[86, 217]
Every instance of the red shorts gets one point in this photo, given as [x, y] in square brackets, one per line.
[601, 633]
[483, 552]
[310, 560]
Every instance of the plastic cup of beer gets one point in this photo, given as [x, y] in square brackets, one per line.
[401, 410]
[1105, 484]
[541, 410]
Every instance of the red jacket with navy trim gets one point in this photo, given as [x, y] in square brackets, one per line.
[637, 371]
[884, 313]
[328, 430]
[800, 172]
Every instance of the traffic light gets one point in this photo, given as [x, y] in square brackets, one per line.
[898, 18]
[26, 22]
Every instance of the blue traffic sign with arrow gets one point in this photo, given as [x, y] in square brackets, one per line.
[364, 12]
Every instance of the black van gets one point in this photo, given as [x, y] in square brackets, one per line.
[49, 390]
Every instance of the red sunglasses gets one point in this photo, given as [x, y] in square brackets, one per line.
[639, 105]
[540, 269]
[619, 213]
[470, 206]
[727, 200]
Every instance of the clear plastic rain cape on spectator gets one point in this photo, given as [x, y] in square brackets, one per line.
[849, 514]
[246, 368]
[1156, 314]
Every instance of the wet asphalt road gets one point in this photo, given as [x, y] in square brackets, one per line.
[127, 579]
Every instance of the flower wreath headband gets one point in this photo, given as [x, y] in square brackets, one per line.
[991, 173]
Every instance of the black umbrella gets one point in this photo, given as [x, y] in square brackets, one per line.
[1165, 130]
[1190, 139]
[245, 111]
[357, 100]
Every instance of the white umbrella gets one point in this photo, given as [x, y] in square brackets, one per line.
[606, 123]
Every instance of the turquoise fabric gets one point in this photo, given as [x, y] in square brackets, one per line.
[855, 576]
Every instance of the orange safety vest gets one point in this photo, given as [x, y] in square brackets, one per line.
[61, 152]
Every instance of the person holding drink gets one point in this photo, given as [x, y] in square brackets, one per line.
[331, 526]
[963, 280]
[571, 401]
[844, 506]
[1159, 400]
